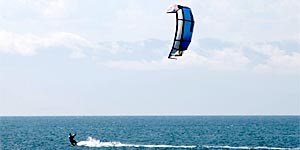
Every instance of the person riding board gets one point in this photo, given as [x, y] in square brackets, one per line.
[71, 138]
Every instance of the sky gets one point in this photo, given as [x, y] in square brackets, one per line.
[96, 57]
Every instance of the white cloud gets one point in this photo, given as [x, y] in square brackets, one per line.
[277, 60]
[240, 57]
[28, 44]
[164, 63]
[231, 20]
[55, 8]
[226, 59]
[229, 58]
[142, 65]
[132, 55]
[248, 20]
[46, 8]
[32, 9]
[20, 44]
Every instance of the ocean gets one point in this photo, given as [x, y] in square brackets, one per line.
[151, 132]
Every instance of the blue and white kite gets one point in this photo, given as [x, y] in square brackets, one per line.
[184, 29]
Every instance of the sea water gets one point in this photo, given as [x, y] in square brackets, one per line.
[150, 132]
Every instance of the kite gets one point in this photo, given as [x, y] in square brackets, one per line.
[184, 29]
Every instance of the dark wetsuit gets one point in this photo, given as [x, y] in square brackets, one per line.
[72, 141]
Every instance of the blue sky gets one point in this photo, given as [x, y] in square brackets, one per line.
[93, 57]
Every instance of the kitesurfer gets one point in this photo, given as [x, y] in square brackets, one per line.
[71, 138]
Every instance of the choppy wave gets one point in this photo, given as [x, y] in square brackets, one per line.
[91, 142]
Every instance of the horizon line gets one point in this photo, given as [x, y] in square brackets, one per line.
[156, 115]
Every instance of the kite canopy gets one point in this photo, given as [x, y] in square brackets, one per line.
[184, 29]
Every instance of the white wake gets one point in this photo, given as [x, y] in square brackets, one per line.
[91, 142]
[248, 147]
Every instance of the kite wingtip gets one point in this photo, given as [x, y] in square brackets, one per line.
[172, 58]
